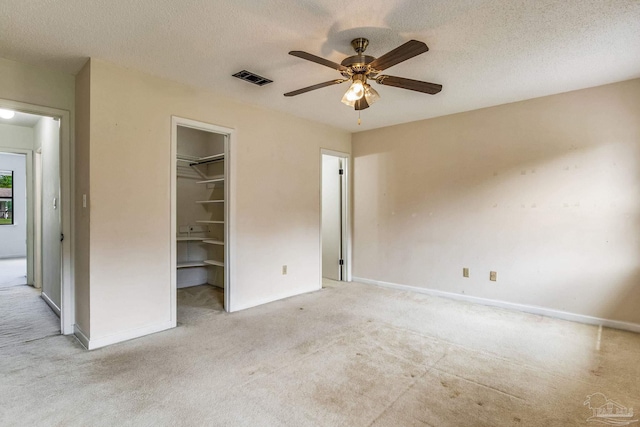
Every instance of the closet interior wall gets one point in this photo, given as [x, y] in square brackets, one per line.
[200, 208]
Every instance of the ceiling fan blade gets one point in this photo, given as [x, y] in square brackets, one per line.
[401, 53]
[417, 85]
[318, 60]
[361, 104]
[314, 87]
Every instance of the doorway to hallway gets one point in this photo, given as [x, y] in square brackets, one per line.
[334, 225]
[31, 263]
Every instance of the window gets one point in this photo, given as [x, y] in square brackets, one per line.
[6, 197]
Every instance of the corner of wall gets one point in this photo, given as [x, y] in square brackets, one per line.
[82, 207]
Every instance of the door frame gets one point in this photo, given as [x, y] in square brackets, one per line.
[37, 218]
[229, 209]
[67, 188]
[346, 211]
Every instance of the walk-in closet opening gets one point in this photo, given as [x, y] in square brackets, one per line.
[200, 214]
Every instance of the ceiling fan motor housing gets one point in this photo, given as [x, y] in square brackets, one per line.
[357, 64]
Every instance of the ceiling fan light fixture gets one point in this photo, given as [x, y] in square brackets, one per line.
[370, 94]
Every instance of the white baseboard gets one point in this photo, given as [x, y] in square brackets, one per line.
[239, 307]
[542, 311]
[81, 336]
[50, 303]
[94, 343]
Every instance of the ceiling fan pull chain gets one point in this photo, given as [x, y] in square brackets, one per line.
[358, 117]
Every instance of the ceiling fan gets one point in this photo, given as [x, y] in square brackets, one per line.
[360, 68]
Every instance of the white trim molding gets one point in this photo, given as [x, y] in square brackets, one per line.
[94, 343]
[271, 299]
[81, 336]
[532, 309]
[51, 304]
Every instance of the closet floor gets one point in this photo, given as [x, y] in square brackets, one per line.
[198, 301]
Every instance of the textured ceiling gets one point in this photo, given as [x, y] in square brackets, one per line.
[484, 52]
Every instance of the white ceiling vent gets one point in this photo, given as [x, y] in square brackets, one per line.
[250, 77]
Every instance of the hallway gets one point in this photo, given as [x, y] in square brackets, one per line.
[25, 316]
[13, 271]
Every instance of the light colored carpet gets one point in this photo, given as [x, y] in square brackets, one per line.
[349, 355]
[13, 271]
[198, 301]
[25, 316]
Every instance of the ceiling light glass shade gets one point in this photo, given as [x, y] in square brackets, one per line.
[346, 101]
[370, 94]
[356, 91]
[7, 114]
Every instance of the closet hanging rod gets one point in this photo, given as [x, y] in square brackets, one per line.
[202, 162]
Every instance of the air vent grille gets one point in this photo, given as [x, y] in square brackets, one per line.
[250, 77]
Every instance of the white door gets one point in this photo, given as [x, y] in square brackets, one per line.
[51, 227]
[332, 217]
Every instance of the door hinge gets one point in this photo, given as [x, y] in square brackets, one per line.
[341, 262]
[340, 171]
[61, 237]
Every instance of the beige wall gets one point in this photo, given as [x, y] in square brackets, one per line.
[277, 159]
[19, 137]
[82, 230]
[545, 192]
[39, 86]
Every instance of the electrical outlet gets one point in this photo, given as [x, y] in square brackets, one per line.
[284, 270]
[493, 276]
[465, 272]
